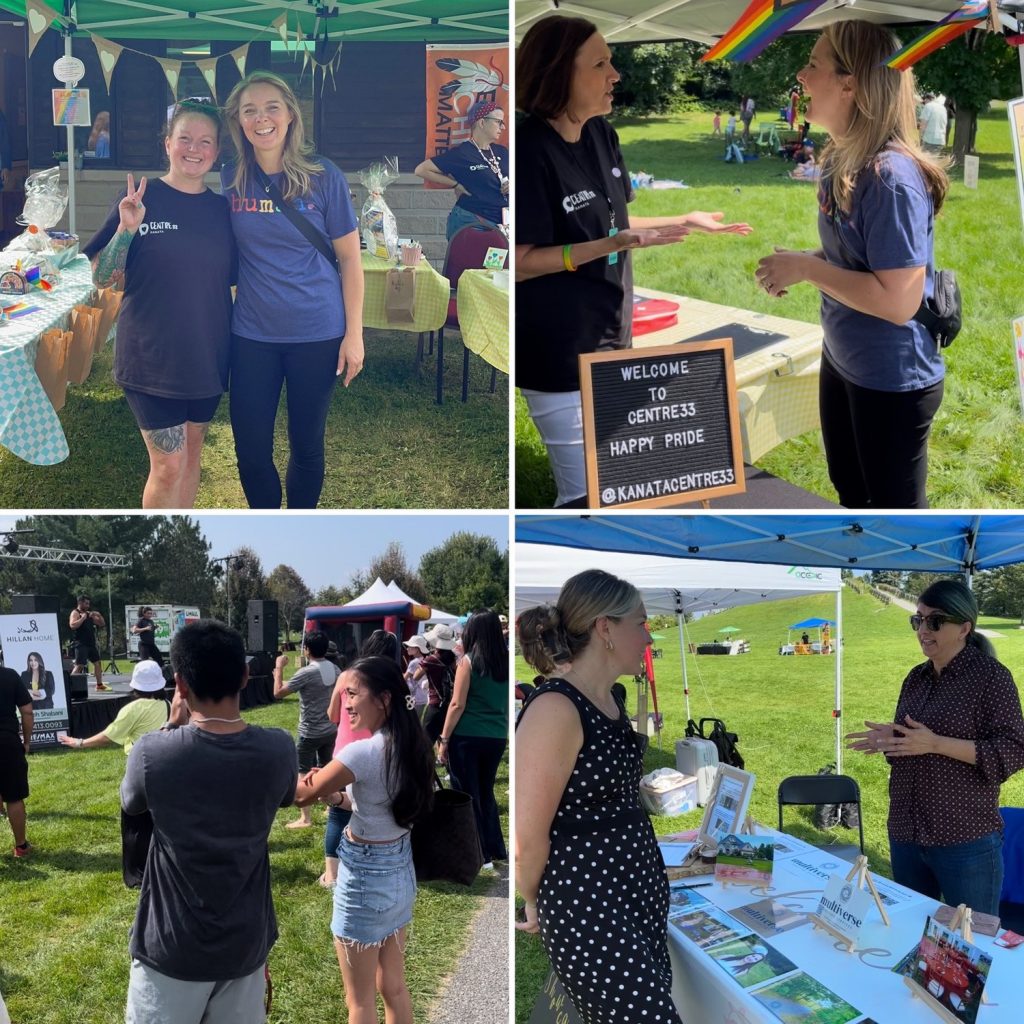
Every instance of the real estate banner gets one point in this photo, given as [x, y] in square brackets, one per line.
[31, 647]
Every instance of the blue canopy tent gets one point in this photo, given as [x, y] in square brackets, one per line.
[949, 543]
[809, 624]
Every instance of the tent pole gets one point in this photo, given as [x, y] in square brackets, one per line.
[839, 679]
[70, 138]
[682, 659]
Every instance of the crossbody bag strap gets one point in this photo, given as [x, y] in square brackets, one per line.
[314, 237]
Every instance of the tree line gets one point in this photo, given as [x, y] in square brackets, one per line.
[170, 563]
[999, 592]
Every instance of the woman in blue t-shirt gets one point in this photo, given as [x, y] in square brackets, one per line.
[295, 320]
[477, 170]
[881, 372]
[175, 256]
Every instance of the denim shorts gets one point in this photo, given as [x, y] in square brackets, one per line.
[376, 890]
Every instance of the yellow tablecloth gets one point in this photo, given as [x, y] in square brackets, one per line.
[432, 294]
[483, 317]
[777, 386]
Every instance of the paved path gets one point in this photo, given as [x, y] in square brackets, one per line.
[912, 607]
[477, 991]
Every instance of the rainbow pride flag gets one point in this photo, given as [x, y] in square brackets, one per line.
[760, 24]
[969, 16]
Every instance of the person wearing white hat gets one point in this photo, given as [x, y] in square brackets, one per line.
[438, 668]
[416, 648]
[146, 712]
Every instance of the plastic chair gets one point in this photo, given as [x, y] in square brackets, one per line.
[1011, 902]
[824, 789]
[466, 251]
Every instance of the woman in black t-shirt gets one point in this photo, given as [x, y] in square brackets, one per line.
[477, 170]
[573, 230]
[145, 630]
[175, 256]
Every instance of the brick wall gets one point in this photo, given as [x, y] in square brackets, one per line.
[421, 213]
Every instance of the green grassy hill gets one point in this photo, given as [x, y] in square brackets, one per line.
[781, 708]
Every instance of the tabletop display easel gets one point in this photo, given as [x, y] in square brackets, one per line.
[960, 924]
[726, 811]
[860, 876]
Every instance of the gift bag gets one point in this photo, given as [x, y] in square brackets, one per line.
[84, 321]
[376, 222]
[108, 302]
[400, 297]
[51, 365]
[445, 843]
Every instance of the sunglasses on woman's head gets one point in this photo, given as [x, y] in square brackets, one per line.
[933, 621]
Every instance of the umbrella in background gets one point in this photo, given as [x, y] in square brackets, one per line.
[729, 629]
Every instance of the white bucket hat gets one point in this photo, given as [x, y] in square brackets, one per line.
[148, 677]
[441, 637]
[417, 641]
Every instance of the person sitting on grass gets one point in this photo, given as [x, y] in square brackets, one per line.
[314, 685]
[148, 710]
[205, 920]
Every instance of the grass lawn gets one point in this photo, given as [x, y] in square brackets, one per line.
[977, 434]
[65, 913]
[781, 708]
[388, 444]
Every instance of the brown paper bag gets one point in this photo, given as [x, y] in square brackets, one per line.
[84, 321]
[109, 304]
[400, 297]
[51, 365]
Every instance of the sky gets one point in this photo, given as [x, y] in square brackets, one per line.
[326, 549]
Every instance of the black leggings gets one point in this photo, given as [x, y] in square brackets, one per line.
[876, 442]
[259, 369]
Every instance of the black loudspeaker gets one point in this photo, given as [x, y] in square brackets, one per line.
[262, 623]
[34, 604]
[79, 688]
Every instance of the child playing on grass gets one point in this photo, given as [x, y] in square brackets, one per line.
[716, 124]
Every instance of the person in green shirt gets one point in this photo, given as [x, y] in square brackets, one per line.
[147, 712]
[476, 727]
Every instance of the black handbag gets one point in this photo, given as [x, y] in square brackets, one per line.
[317, 240]
[445, 843]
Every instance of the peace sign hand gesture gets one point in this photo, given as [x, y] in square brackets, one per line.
[132, 212]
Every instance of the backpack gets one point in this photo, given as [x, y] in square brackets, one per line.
[826, 816]
[724, 741]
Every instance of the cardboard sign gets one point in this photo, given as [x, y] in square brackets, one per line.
[972, 164]
[661, 425]
[844, 907]
[553, 1005]
[71, 106]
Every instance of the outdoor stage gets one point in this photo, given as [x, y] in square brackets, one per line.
[91, 716]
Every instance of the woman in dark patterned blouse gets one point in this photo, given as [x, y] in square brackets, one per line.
[956, 737]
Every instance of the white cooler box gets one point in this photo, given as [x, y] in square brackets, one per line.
[699, 758]
[667, 792]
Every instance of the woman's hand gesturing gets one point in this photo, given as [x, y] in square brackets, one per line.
[132, 212]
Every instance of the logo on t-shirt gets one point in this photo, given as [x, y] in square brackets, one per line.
[578, 200]
[156, 227]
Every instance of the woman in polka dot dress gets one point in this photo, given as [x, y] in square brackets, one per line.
[957, 735]
[587, 861]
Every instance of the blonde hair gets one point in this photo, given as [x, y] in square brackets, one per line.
[550, 635]
[298, 165]
[883, 113]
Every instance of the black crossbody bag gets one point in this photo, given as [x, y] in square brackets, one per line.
[308, 230]
[942, 314]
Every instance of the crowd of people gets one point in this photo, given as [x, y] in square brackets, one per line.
[202, 788]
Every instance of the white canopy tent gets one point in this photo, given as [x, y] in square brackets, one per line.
[673, 587]
[380, 592]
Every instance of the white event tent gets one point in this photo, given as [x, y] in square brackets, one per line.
[380, 592]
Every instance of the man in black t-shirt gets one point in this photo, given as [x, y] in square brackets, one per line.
[83, 628]
[13, 748]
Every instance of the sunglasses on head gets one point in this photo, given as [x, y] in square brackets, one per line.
[933, 621]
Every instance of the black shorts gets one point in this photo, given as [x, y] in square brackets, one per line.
[85, 653]
[13, 768]
[154, 412]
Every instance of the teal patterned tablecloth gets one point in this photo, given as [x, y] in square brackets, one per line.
[29, 427]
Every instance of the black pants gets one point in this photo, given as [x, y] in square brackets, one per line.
[473, 765]
[149, 653]
[315, 751]
[876, 442]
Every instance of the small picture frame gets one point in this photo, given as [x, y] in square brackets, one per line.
[494, 258]
[728, 802]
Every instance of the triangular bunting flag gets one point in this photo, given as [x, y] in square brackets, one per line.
[172, 72]
[239, 55]
[281, 24]
[109, 54]
[39, 18]
[208, 69]
[298, 35]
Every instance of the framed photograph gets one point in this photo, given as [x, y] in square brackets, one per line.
[950, 971]
[745, 860]
[727, 805]
[749, 961]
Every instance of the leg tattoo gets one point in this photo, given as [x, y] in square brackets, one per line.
[169, 440]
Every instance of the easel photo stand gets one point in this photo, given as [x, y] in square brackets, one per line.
[861, 877]
[960, 924]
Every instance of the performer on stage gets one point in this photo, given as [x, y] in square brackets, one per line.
[83, 628]
[145, 630]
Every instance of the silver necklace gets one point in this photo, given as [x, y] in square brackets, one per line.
[227, 721]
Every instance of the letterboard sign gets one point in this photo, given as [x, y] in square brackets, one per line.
[553, 1005]
[661, 425]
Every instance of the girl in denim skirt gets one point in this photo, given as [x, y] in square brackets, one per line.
[388, 782]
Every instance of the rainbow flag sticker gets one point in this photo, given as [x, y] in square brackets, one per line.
[969, 16]
[760, 24]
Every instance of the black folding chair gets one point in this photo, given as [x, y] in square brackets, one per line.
[824, 789]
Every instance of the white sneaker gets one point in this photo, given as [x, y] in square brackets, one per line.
[489, 866]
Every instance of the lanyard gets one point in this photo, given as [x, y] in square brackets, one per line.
[601, 188]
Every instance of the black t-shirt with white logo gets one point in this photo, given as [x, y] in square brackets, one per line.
[562, 196]
[468, 166]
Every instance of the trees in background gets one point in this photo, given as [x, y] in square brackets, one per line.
[466, 572]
